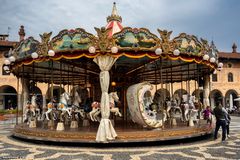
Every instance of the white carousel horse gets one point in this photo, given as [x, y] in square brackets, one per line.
[172, 108]
[63, 105]
[76, 105]
[50, 107]
[113, 97]
[36, 108]
[188, 109]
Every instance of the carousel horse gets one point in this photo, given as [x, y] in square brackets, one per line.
[49, 110]
[150, 114]
[199, 106]
[63, 106]
[168, 107]
[188, 109]
[29, 113]
[172, 108]
[193, 110]
[113, 97]
[36, 108]
[76, 110]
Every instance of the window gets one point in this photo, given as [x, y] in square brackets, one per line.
[229, 65]
[5, 72]
[230, 77]
[214, 77]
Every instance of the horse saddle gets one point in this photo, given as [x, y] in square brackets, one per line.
[49, 106]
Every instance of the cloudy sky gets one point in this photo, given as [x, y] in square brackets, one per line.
[216, 20]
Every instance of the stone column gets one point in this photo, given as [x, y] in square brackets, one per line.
[206, 91]
[223, 102]
[212, 102]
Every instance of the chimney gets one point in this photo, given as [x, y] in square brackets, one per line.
[21, 33]
[234, 48]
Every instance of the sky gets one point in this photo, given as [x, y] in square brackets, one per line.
[216, 20]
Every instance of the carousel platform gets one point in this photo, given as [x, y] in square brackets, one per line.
[127, 133]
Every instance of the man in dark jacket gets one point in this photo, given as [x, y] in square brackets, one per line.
[219, 113]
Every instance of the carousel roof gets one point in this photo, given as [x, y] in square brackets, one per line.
[67, 57]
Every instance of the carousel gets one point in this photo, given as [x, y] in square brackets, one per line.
[109, 82]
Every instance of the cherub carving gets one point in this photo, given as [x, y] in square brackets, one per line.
[44, 45]
[103, 39]
[205, 43]
[166, 44]
[165, 35]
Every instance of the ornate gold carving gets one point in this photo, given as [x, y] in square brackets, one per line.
[205, 45]
[103, 41]
[44, 45]
[167, 45]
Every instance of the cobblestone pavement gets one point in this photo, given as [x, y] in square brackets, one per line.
[203, 149]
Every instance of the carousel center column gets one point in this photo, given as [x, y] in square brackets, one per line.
[105, 130]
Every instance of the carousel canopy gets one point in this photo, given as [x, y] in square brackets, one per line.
[67, 58]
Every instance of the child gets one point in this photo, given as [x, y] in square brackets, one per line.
[207, 114]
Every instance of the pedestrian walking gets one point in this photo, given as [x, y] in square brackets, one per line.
[219, 113]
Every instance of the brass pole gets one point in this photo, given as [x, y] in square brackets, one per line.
[51, 79]
[60, 90]
[17, 99]
[23, 82]
[171, 81]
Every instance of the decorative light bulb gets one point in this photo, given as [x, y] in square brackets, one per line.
[114, 49]
[92, 49]
[176, 52]
[34, 55]
[51, 53]
[113, 84]
[220, 64]
[158, 51]
[212, 60]
[206, 57]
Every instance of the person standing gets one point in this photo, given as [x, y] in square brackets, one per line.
[220, 113]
